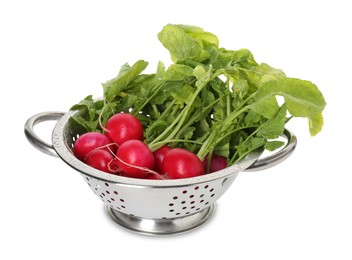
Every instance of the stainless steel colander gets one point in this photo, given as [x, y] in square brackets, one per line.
[158, 207]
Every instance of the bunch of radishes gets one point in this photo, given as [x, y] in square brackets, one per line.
[120, 150]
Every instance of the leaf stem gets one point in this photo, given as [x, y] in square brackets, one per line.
[136, 111]
[217, 134]
[157, 145]
[179, 121]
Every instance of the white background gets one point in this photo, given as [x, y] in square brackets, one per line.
[54, 53]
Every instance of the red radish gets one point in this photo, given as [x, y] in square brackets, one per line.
[180, 163]
[134, 159]
[89, 141]
[154, 176]
[217, 163]
[159, 156]
[123, 127]
[103, 160]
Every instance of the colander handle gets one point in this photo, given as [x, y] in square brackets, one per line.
[278, 157]
[32, 137]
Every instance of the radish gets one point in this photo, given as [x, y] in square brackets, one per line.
[134, 159]
[180, 163]
[90, 141]
[154, 176]
[217, 163]
[159, 156]
[123, 127]
[103, 160]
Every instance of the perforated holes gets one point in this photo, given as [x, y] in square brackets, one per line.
[115, 200]
[212, 192]
[107, 192]
[87, 179]
[73, 142]
[74, 138]
[191, 200]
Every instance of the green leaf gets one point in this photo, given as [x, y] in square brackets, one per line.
[223, 148]
[165, 91]
[268, 73]
[303, 99]
[155, 129]
[273, 145]
[203, 76]
[126, 75]
[88, 115]
[241, 58]
[261, 74]
[178, 72]
[267, 107]
[249, 145]
[185, 42]
[160, 70]
[204, 39]
[86, 103]
[275, 126]
[315, 123]
[240, 88]
[251, 118]
[182, 94]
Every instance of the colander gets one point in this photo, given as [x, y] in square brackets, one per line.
[156, 207]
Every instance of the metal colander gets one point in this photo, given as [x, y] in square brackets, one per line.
[149, 206]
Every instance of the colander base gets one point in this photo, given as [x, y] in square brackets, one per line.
[161, 226]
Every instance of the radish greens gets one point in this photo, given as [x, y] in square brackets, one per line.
[210, 100]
